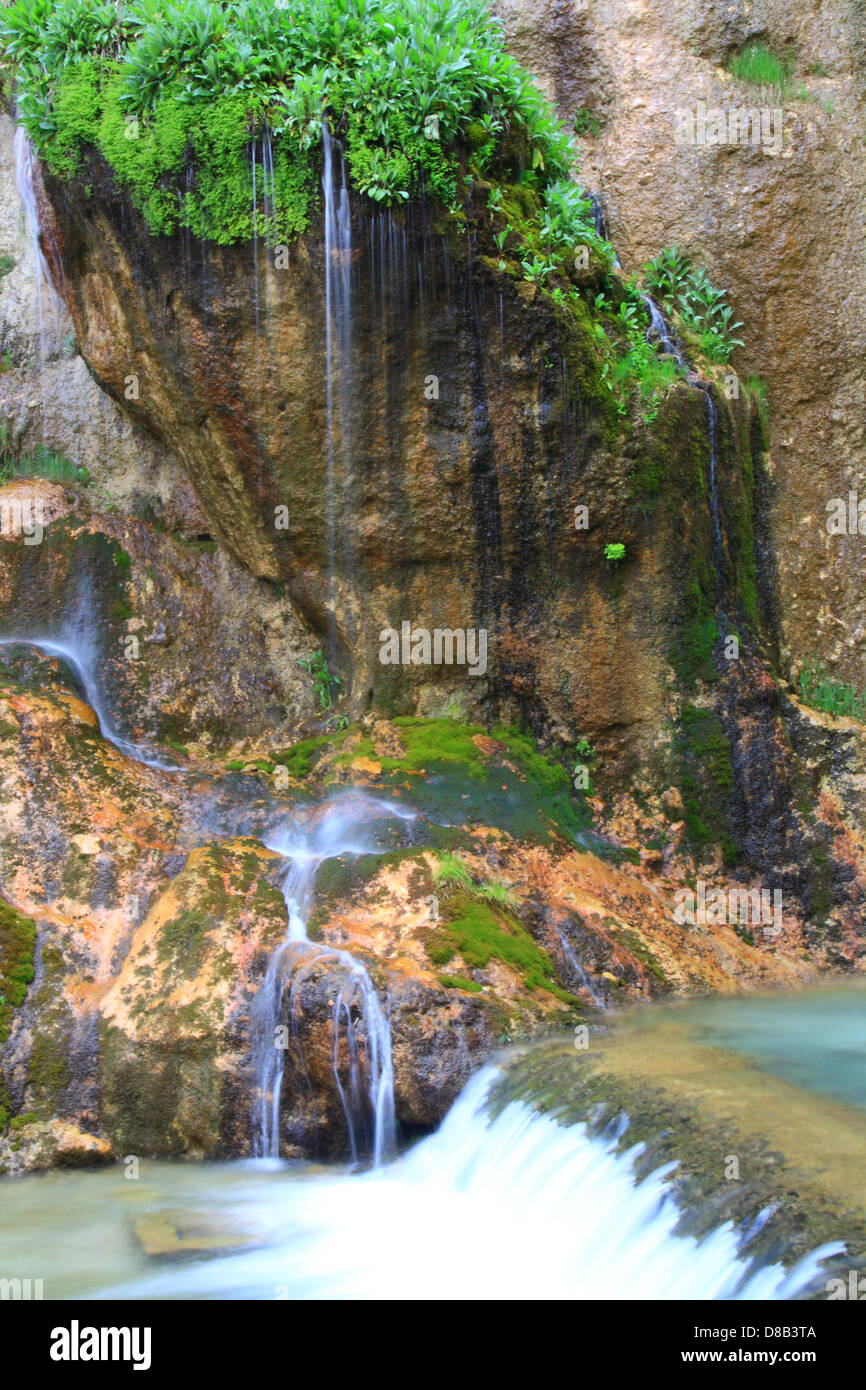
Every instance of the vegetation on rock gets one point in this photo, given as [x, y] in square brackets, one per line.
[699, 306]
[161, 91]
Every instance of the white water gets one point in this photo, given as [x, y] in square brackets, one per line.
[46, 298]
[577, 969]
[515, 1208]
[367, 1090]
[78, 655]
[659, 328]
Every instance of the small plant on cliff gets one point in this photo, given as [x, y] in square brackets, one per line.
[758, 65]
[688, 293]
[39, 463]
[614, 551]
[325, 683]
[835, 697]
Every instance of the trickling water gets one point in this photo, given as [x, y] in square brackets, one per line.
[715, 518]
[577, 969]
[255, 248]
[25, 163]
[78, 654]
[338, 345]
[367, 1092]
[659, 329]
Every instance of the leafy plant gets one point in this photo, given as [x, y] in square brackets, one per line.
[614, 551]
[667, 273]
[586, 123]
[324, 682]
[700, 305]
[451, 869]
[38, 463]
[413, 88]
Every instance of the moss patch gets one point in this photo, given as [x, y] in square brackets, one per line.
[479, 933]
[706, 779]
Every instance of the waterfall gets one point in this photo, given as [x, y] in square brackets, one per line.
[25, 164]
[576, 968]
[338, 346]
[715, 519]
[367, 1092]
[658, 328]
[79, 656]
[549, 1211]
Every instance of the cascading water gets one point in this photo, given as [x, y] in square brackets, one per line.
[715, 515]
[78, 655]
[578, 972]
[548, 1211]
[25, 164]
[367, 1091]
[659, 329]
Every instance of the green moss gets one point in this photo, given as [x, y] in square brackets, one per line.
[17, 947]
[183, 939]
[706, 779]
[300, 759]
[478, 933]
[49, 1068]
[160, 94]
[459, 982]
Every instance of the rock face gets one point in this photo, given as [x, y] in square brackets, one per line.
[181, 643]
[267, 484]
[781, 227]
[144, 913]
[49, 399]
[440, 485]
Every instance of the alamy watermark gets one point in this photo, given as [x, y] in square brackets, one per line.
[22, 516]
[705, 125]
[444, 646]
[21, 1290]
[734, 907]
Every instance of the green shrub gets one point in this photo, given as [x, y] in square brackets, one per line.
[689, 294]
[758, 65]
[406, 84]
[39, 463]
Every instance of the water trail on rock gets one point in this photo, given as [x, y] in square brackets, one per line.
[338, 350]
[25, 163]
[359, 1019]
[577, 970]
[79, 655]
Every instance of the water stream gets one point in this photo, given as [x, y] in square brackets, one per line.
[365, 1084]
[338, 348]
[78, 654]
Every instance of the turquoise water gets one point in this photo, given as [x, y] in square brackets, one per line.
[815, 1038]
